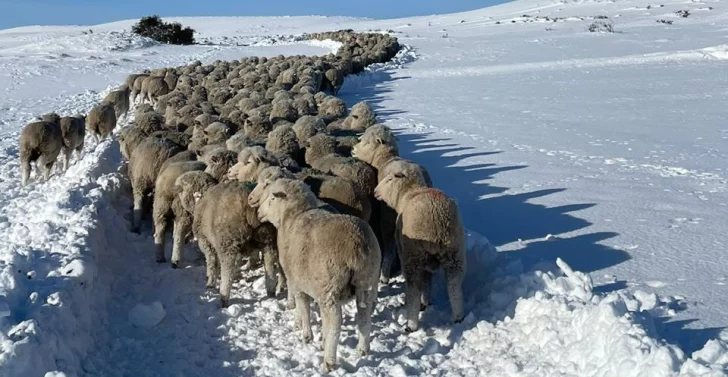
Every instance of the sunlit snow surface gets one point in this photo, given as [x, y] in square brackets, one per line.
[597, 158]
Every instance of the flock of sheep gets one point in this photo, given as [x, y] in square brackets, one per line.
[252, 158]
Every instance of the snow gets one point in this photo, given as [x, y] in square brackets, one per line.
[588, 167]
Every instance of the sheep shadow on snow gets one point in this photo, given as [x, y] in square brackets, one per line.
[503, 217]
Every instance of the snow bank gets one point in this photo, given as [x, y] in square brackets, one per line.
[52, 236]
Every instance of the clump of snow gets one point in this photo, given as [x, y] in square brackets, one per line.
[147, 316]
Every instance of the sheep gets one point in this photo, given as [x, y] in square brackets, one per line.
[334, 79]
[283, 140]
[101, 121]
[217, 133]
[166, 205]
[331, 109]
[144, 164]
[73, 131]
[226, 227]
[383, 157]
[330, 258]
[360, 117]
[257, 127]
[219, 162]
[341, 193]
[40, 142]
[136, 88]
[129, 138]
[430, 234]
[251, 161]
[237, 142]
[149, 121]
[381, 134]
[152, 88]
[308, 126]
[120, 100]
[283, 110]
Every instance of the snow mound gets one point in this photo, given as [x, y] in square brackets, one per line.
[147, 316]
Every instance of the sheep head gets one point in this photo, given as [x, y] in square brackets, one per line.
[284, 199]
[190, 187]
[395, 185]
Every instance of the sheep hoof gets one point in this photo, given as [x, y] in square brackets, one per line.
[362, 352]
[161, 259]
[307, 338]
[458, 320]
[291, 305]
[175, 265]
[384, 280]
[423, 307]
[408, 329]
[224, 302]
[271, 293]
[328, 366]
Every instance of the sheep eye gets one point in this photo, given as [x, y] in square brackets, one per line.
[399, 175]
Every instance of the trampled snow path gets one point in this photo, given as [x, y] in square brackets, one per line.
[84, 297]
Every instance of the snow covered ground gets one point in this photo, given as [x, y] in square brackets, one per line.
[598, 152]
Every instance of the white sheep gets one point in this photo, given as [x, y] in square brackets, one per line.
[120, 100]
[145, 162]
[40, 142]
[165, 208]
[330, 258]
[226, 227]
[101, 121]
[430, 234]
[73, 131]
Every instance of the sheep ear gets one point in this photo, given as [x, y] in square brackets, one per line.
[280, 195]
[257, 160]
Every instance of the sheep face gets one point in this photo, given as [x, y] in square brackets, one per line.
[265, 179]
[284, 199]
[251, 161]
[396, 184]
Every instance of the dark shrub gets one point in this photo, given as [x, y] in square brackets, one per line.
[153, 27]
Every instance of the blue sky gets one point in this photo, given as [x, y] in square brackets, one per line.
[90, 12]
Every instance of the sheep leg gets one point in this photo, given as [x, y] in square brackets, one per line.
[38, 163]
[182, 227]
[303, 314]
[228, 267]
[365, 301]
[24, 171]
[210, 261]
[270, 259]
[160, 211]
[388, 255]
[412, 298]
[331, 329]
[426, 289]
[290, 299]
[67, 152]
[47, 169]
[136, 220]
[79, 152]
[454, 277]
[160, 230]
[281, 278]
